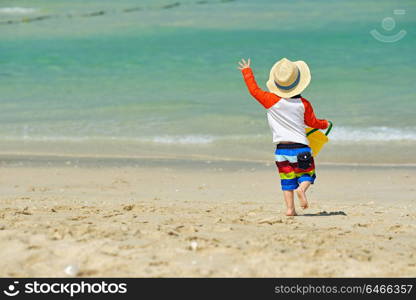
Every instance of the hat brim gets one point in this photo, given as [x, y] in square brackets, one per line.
[305, 79]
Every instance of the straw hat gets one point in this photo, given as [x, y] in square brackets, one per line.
[288, 78]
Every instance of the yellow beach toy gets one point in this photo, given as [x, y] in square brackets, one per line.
[317, 139]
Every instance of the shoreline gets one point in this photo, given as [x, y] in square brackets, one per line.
[369, 154]
[44, 159]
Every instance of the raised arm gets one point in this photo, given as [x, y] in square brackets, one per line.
[310, 119]
[266, 99]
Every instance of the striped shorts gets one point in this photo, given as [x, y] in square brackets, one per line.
[291, 174]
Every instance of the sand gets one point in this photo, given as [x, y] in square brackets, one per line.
[141, 218]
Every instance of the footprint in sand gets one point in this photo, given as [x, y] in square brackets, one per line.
[128, 207]
[25, 211]
[396, 228]
[186, 229]
[271, 221]
[361, 225]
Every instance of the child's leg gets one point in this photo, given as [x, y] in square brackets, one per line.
[301, 192]
[288, 179]
[290, 203]
[305, 171]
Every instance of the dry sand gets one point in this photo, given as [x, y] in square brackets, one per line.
[140, 218]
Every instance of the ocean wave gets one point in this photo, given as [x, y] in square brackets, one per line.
[167, 139]
[186, 139]
[373, 134]
[338, 134]
[17, 10]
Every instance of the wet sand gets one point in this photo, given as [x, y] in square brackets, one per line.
[102, 217]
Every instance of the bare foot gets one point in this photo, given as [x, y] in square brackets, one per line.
[291, 213]
[302, 198]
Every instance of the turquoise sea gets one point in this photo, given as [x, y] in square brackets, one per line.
[160, 77]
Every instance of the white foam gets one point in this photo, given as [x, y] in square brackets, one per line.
[171, 139]
[17, 10]
[185, 139]
[373, 134]
[338, 134]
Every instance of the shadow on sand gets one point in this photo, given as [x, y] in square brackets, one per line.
[326, 214]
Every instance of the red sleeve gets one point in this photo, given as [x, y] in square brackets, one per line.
[266, 99]
[310, 119]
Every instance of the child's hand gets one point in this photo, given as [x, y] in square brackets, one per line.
[244, 64]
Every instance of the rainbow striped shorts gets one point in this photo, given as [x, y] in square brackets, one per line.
[292, 171]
